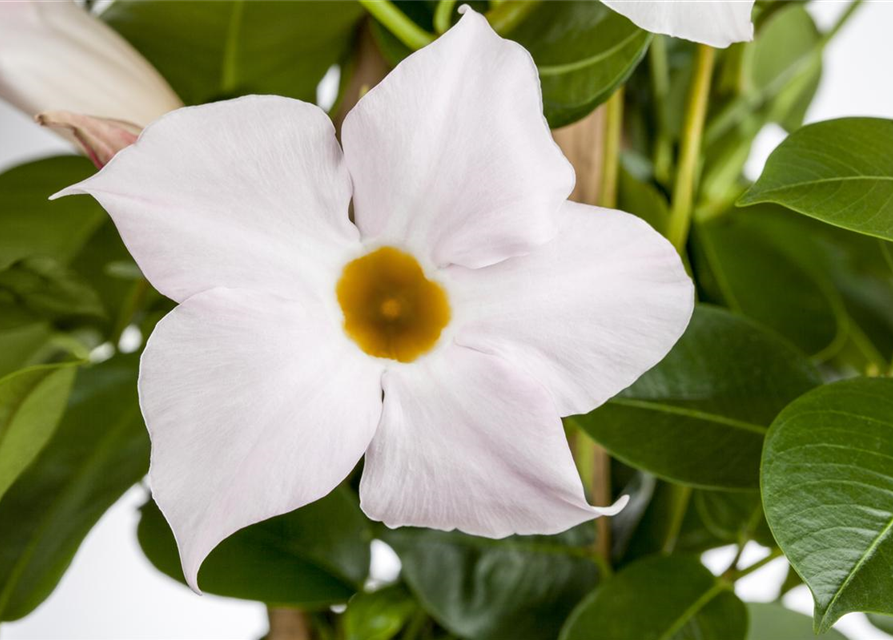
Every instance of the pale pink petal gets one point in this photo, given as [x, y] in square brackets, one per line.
[55, 55]
[99, 138]
[468, 442]
[450, 154]
[256, 406]
[718, 23]
[249, 193]
[588, 313]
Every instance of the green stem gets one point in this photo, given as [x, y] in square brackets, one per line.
[692, 134]
[443, 15]
[395, 21]
[416, 626]
[759, 564]
[841, 21]
[613, 135]
[507, 15]
[682, 496]
[660, 87]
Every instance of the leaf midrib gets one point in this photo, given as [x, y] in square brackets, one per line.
[693, 610]
[558, 69]
[650, 405]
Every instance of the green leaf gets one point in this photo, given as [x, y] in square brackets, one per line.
[214, 50]
[41, 288]
[884, 623]
[584, 51]
[18, 345]
[34, 226]
[99, 450]
[770, 621]
[312, 557]
[699, 417]
[838, 171]
[643, 200]
[522, 587]
[379, 615]
[827, 483]
[660, 598]
[734, 516]
[31, 403]
[787, 65]
[751, 268]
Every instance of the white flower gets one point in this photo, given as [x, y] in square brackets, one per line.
[718, 23]
[56, 56]
[469, 294]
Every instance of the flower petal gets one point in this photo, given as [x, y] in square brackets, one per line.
[248, 193]
[256, 406]
[56, 55]
[718, 23]
[99, 138]
[450, 154]
[468, 442]
[587, 313]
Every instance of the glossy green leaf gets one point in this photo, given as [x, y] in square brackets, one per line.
[754, 272]
[214, 50]
[643, 200]
[660, 598]
[312, 557]
[584, 51]
[838, 171]
[699, 417]
[522, 587]
[99, 450]
[31, 403]
[773, 621]
[827, 481]
[34, 226]
[379, 615]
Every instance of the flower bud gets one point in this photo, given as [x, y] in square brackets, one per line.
[57, 56]
[100, 138]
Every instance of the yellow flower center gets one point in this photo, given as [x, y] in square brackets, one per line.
[391, 310]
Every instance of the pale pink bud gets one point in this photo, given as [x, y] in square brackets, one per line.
[100, 138]
[57, 56]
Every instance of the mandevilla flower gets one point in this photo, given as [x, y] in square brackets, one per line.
[56, 56]
[442, 333]
[718, 23]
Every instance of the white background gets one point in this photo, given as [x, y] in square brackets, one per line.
[111, 591]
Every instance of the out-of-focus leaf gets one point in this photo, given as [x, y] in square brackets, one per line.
[34, 226]
[699, 417]
[312, 557]
[734, 515]
[31, 403]
[838, 171]
[214, 50]
[522, 587]
[787, 65]
[18, 345]
[751, 269]
[827, 482]
[641, 491]
[99, 450]
[770, 621]
[584, 51]
[643, 200]
[379, 615]
[40, 288]
[884, 623]
[660, 598]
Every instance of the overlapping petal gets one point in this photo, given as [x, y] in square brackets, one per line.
[450, 154]
[718, 23]
[256, 406]
[585, 315]
[249, 193]
[468, 442]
